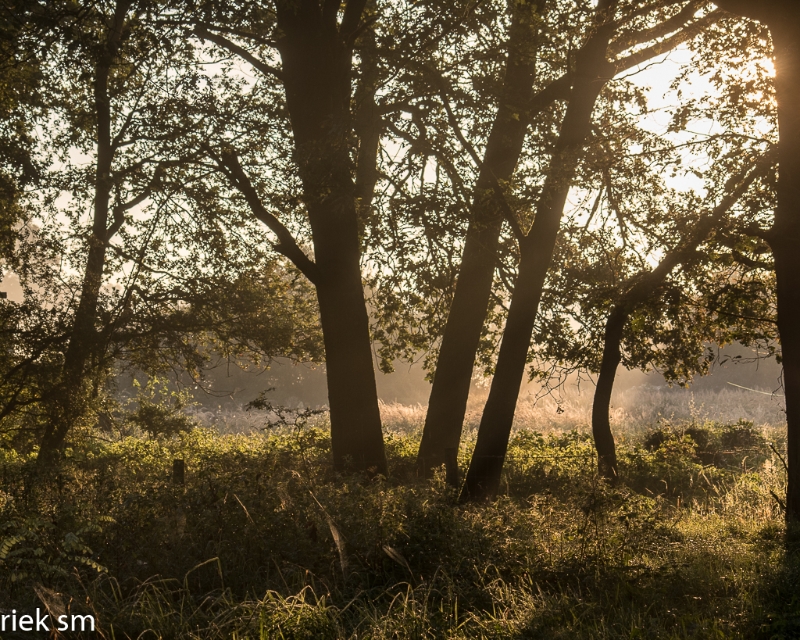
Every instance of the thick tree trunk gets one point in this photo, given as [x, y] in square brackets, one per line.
[536, 251]
[783, 19]
[316, 53]
[785, 236]
[450, 391]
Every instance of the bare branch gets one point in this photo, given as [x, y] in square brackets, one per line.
[286, 244]
[202, 32]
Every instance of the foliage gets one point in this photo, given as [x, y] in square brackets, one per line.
[160, 411]
[265, 541]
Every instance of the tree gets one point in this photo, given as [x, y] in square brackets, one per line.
[490, 210]
[444, 418]
[19, 106]
[146, 282]
[104, 103]
[316, 46]
[593, 70]
[783, 19]
[638, 289]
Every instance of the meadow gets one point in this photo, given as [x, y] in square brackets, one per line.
[262, 540]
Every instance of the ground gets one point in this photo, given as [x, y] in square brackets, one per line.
[263, 541]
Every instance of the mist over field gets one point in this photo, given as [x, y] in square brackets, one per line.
[738, 387]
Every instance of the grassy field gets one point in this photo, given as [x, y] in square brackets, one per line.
[263, 541]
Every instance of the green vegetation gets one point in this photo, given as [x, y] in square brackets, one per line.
[264, 541]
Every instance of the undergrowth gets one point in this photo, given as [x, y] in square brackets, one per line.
[263, 540]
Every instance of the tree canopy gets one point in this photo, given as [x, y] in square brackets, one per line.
[478, 184]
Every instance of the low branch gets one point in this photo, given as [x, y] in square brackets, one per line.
[286, 245]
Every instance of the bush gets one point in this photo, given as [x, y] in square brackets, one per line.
[264, 540]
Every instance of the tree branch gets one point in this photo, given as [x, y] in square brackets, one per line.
[762, 10]
[559, 89]
[739, 257]
[119, 210]
[659, 31]
[351, 19]
[286, 244]
[202, 32]
[684, 35]
[757, 232]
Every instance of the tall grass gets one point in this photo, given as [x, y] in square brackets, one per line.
[634, 411]
[264, 541]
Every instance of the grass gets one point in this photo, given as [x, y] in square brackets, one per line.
[264, 541]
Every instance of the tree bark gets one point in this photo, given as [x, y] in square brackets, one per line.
[316, 53]
[783, 19]
[536, 249]
[69, 400]
[450, 391]
[601, 404]
[785, 238]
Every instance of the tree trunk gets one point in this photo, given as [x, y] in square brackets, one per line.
[450, 391]
[536, 251]
[316, 53]
[634, 292]
[601, 423]
[785, 237]
[69, 400]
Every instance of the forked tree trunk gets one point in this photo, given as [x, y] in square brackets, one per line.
[448, 399]
[536, 251]
[316, 53]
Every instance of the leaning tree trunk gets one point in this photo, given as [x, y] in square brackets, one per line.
[461, 337]
[638, 289]
[448, 400]
[316, 53]
[601, 405]
[536, 251]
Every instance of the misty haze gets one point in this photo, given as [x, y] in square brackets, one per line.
[372, 319]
